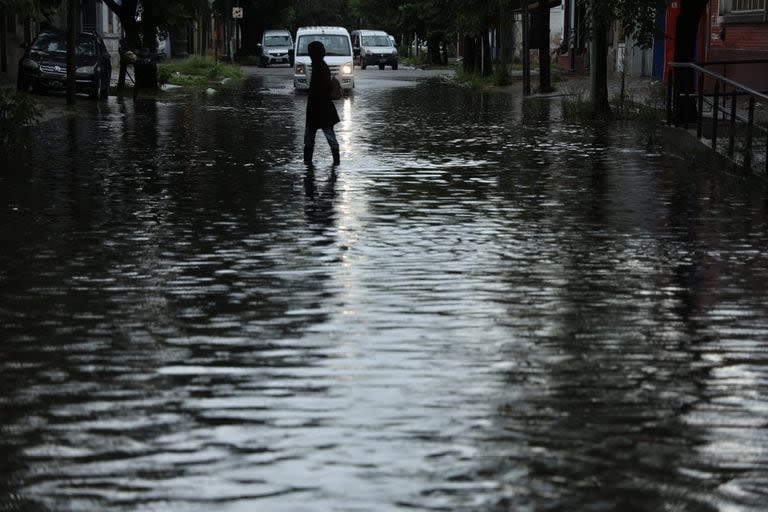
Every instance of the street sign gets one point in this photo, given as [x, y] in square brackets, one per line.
[237, 13]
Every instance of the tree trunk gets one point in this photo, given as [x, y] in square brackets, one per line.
[469, 55]
[433, 49]
[71, 48]
[545, 79]
[685, 51]
[598, 68]
[126, 12]
[487, 69]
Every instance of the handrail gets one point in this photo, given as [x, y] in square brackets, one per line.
[728, 62]
[693, 101]
[719, 77]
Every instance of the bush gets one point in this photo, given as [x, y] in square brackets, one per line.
[16, 110]
[415, 61]
[582, 108]
[196, 70]
[501, 74]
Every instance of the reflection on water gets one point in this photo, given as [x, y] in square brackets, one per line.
[482, 308]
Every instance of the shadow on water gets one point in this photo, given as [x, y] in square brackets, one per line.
[483, 308]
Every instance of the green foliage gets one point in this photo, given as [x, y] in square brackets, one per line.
[581, 108]
[195, 70]
[16, 110]
[636, 17]
[501, 74]
[35, 10]
[648, 112]
[419, 60]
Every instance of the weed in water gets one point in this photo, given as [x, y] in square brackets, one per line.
[16, 111]
[196, 70]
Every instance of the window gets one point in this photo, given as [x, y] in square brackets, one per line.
[277, 41]
[739, 6]
[335, 45]
[376, 41]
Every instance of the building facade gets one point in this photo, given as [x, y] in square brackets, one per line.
[738, 33]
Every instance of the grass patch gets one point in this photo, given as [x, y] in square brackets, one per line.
[16, 110]
[195, 71]
[580, 107]
[419, 60]
[500, 77]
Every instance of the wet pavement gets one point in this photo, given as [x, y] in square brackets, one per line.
[484, 308]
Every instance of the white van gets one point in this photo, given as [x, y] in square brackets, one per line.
[276, 47]
[374, 47]
[338, 55]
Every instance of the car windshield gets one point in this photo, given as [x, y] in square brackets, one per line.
[376, 41]
[277, 41]
[57, 43]
[335, 45]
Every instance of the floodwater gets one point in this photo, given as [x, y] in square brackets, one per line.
[484, 308]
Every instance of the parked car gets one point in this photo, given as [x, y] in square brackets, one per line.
[276, 47]
[338, 55]
[44, 64]
[374, 47]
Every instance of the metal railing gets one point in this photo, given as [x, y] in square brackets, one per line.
[742, 110]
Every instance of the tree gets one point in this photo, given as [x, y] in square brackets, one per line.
[685, 48]
[141, 32]
[126, 12]
[636, 18]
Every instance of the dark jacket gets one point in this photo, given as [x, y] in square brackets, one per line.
[321, 112]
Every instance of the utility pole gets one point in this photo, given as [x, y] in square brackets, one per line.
[526, 51]
[71, 44]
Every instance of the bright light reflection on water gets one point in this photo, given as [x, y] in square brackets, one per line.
[483, 308]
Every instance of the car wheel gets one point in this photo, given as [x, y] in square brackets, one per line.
[381, 66]
[394, 66]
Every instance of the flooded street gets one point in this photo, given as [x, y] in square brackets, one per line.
[484, 308]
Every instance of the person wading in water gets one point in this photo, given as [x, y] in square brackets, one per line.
[321, 112]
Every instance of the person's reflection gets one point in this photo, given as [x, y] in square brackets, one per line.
[319, 206]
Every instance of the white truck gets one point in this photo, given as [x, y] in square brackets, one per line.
[276, 47]
[338, 55]
[374, 48]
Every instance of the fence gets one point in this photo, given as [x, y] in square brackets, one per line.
[731, 106]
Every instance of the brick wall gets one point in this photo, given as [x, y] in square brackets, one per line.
[741, 36]
[739, 41]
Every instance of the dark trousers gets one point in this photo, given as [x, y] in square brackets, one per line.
[309, 141]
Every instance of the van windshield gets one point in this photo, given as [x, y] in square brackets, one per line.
[336, 45]
[277, 41]
[376, 41]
